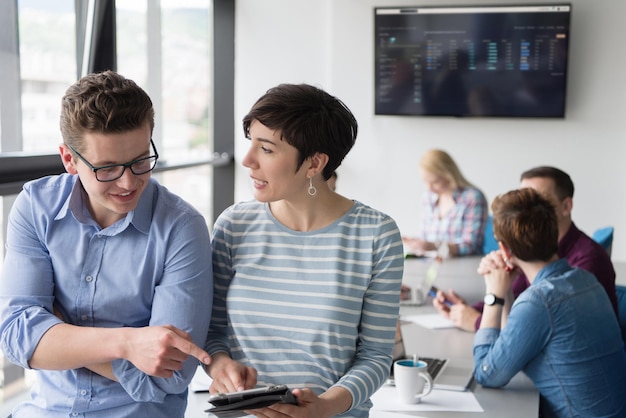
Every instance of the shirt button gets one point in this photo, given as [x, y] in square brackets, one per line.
[84, 317]
[88, 279]
[74, 414]
[485, 368]
[83, 392]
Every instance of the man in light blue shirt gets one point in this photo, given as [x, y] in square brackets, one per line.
[561, 331]
[106, 285]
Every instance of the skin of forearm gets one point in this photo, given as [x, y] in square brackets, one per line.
[103, 369]
[508, 302]
[337, 399]
[65, 347]
[492, 316]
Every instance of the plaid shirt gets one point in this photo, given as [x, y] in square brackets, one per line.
[463, 225]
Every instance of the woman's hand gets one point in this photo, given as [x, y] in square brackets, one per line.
[229, 375]
[309, 406]
[418, 246]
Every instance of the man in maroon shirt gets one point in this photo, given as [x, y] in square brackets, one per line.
[579, 249]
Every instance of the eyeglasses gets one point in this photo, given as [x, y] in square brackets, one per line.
[115, 171]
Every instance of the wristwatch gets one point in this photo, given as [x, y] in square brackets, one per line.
[491, 299]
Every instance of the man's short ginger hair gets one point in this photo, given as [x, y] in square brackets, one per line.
[526, 223]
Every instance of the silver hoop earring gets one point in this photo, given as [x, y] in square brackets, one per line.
[312, 191]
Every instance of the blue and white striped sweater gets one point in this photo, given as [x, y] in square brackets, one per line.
[308, 309]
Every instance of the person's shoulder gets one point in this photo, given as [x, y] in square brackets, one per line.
[245, 208]
[243, 211]
[585, 245]
[64, 180]
[52, 190]
[171, 201]
[367, 214]
[362, 208]
[473, 192]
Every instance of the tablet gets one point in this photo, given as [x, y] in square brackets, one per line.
[232, 405]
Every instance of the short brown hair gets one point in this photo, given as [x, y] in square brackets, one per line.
[563, 185]
[103, 102]
[525, 222]
[308, 119]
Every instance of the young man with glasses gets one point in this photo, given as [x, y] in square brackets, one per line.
[106, 284]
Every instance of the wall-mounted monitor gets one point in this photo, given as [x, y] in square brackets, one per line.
[508, 61]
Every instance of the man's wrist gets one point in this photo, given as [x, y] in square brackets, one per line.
[491, 299]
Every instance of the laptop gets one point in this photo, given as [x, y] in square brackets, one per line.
[447, 373]
[416, 297]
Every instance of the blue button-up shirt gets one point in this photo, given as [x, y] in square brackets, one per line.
[152, 267]
[562, 332]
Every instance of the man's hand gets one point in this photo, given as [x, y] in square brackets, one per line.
[460, 313]
[161, 350]
[405, 292]
[493, 261]
[498, 271]
[464, 316]
[442, 301]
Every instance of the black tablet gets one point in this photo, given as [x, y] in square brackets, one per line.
[232, 405]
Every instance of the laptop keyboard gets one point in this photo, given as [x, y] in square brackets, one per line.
[434, 365]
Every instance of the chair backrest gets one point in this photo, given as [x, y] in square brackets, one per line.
[489, 242]
[620, 291]
[604, 237]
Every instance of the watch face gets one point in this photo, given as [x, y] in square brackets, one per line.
[490, 299]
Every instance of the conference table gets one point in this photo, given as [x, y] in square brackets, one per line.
[517, 399]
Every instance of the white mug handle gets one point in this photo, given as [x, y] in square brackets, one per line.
[428, 387]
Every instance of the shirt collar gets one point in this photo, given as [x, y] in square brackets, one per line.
[140, 218]
[456, 195]
[555, 268]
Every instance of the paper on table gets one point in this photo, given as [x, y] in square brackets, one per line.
[431, 321]
[386, 399]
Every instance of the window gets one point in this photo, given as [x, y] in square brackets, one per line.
[167, 51]
[166, 46]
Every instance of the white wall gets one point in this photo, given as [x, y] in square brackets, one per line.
[329, 43]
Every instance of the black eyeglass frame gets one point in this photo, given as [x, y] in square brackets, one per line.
[124, 166]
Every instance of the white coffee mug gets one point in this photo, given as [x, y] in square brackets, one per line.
[412, 380]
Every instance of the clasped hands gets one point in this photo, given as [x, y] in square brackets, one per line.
[498, 271]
